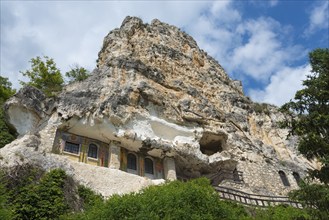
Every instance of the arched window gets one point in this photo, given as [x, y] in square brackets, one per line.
[93, 151]
[284, 178]
[297, 177]
[148, 166]
[131, 163]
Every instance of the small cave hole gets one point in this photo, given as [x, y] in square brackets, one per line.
[212, 143]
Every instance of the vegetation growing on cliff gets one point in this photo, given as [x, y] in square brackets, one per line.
[77, 74]
[6, 90]
[44, 75]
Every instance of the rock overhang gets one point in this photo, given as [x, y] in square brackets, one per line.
[156, 92]
[149, 134]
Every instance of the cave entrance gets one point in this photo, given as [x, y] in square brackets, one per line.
[211, 143]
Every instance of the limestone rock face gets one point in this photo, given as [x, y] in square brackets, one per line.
[155, 91]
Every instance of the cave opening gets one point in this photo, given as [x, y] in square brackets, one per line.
[211, 143]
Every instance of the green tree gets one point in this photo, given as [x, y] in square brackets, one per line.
[77, 73]
[281, 212]
[309, 119]
[7, 135]
[29, 192]
[6, 90]
[44, 75]
[315, 197]
[5, 209]
[44, 200]
[310, 114]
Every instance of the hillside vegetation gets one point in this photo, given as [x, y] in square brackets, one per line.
[30, 193]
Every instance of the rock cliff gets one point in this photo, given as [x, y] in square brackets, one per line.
[156, 92]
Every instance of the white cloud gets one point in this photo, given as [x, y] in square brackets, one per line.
[264, 4]
[73, 32]
[254, 48]
[215, 31]
[224, 12]
[274, 2]
[282, 87]
[319, 18]
[264, 52]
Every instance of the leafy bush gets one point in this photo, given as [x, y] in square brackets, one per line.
[77, 74]
[27, 192]
[195, 199]
[281, 212]
[5, 209]
[315, 197]
[44, 200]
[7, 134]
[88, 197]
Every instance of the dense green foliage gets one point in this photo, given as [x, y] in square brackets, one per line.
[6, 90]
[7, 135]
[314, 197]
[195, 199]
[44, 75]
[5, 210]
[44, 200]
[309, 119]
[77, 74]
[311, 105]
[88, 198]
[281, 212]
[27, 192]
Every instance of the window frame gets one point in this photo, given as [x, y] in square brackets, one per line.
[97, 148]
[69, 152]
[129, 170]
[153, 170]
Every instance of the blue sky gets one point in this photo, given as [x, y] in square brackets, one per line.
[265, 44]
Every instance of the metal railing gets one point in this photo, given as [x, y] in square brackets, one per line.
[221, 175]
[243, 197]
[254, 199]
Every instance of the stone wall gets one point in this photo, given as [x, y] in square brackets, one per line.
[264, 178]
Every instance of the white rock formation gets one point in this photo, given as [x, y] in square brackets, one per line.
[154, 91]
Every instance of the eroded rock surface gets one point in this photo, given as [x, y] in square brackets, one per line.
[155, 91]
